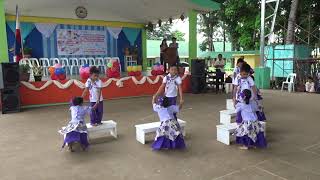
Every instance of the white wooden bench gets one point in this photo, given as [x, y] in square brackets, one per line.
[227, 116]
[230, 104]
[225, 132]
[103, 129]
[143, 129]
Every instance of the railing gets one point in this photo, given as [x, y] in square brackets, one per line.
[303, 67]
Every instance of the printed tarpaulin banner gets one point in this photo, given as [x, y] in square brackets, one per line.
[81, 42]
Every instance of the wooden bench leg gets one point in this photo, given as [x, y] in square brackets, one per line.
[223, 136]
[114, 133]
[140, 136]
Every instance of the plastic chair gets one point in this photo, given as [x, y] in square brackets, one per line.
[100, 64]
[73, 64]
[290, 81]
[91, 61]
[65, 65]
[45, 63]
[24, 61]
[54, 61]
[34, 62]
[82, 61]
[106, 60]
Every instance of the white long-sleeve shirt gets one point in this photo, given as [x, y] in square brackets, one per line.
[165, 113]
[248, 111]
[78, 113]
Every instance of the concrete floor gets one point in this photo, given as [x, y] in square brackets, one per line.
[30, 144]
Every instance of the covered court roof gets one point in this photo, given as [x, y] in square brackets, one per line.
[135, 11]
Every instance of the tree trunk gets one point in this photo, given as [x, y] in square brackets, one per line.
[224, 37]
[211, 46]
[292, 21]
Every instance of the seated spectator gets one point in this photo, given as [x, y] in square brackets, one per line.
[310, 85]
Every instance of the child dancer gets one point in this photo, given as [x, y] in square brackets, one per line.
[170, 86]
[242, 82]
[236, 70]
[94, 85]
[76, 130]
[169, 134]
[260, 114]
[250, 132]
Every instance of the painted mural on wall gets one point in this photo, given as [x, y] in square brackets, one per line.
[81, 42]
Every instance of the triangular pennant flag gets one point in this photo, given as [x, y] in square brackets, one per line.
[114, 31]
[131, 34]
[45, 29]
[25, 28]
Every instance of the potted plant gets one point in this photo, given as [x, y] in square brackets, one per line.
[27, 52]
[37, 73]
[24, 71]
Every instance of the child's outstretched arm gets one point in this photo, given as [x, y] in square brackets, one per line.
[234, 93]
[180, 94]
[153, 101]
[84, 93]
[160, 91]
[255, 91]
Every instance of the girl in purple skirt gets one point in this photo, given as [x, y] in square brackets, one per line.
[250, 133]
[260, 112]
[169, 135]
[94, 85]
[242, 82]
[76, 130]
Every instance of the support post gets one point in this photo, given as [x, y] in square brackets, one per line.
[192, 34]
[144, 49]
[4, 56]
[262, 32]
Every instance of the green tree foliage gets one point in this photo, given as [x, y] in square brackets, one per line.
[165, 32]
[238, 18]
[209, 23]
[241, 21]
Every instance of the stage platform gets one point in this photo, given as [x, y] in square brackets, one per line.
[51, 92]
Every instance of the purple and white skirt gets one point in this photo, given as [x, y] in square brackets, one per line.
[75, 133]
[251, 134]
[260, 115]
[169, 136]
[76, 137]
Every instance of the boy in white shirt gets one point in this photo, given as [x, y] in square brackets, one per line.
[94, 86]
[170, 86]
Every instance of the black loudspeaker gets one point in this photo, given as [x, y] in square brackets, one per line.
[9, 84]
[198, 84]
[9, 76]
[10, 99]
[198, 67]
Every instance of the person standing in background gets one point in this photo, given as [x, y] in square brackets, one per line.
[174, 44]
[219, 65]
[163, 48]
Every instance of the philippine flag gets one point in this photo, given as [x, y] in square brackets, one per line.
[18, 43]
